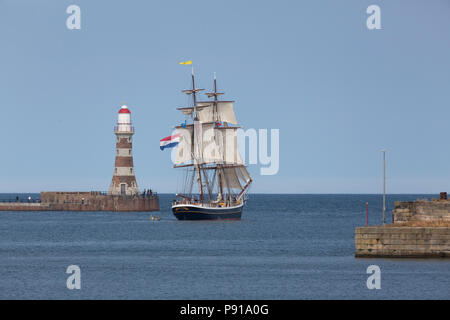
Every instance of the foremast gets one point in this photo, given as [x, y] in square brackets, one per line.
[196, 132]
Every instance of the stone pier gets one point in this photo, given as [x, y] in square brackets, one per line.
[86, 201]
[421, 229]
[421, 210]
[402, 242]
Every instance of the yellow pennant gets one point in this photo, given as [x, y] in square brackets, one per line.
[186, 62]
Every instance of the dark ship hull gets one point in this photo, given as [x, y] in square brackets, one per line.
[198, 212]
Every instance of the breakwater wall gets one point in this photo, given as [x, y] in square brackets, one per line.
[421, 210]
[402, 242]
[86, 201]
[22, 206]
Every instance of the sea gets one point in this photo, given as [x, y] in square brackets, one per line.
[286, 246]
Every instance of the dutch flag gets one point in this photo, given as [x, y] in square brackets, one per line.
[169, 142]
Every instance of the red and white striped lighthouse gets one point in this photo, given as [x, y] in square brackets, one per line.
[124, 180]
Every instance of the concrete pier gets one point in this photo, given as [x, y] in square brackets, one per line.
[85, 201]
[420, 229]
[422, 210]
[402, 242]
[22, 206]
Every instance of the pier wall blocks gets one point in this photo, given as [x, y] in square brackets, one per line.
[421, 210]
[85, 201]
[21, 206]
[402, 242]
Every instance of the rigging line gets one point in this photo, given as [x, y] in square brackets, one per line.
[227, 182]
[178, 183]
[214, 174]
[186, 179]
[209, 186]
[191, 184]
[205, 175]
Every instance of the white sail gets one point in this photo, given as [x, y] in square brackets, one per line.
[225, 111]
[184, 149]
[243, 174]
[235, 177]
[211, 150]
[206, 114]
[229, 146]
[198, 142]
[217, 145]
[230, 179]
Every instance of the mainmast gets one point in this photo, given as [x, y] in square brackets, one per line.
[222, 175]
[219, 166]
[197, 121]
[195, 96]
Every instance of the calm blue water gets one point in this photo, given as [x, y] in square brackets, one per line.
[285, 247]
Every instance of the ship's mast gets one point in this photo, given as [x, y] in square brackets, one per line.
[219, 167]
[196, 119]
[194, 94]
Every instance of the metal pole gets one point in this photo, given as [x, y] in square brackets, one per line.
[367, 213]
[384, 186]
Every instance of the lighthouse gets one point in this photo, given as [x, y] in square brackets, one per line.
[124, 180]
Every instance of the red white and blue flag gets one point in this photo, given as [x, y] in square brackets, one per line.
[169, 142]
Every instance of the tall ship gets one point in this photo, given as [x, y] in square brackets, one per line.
[215, 180]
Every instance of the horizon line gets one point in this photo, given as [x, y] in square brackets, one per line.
[261, 193]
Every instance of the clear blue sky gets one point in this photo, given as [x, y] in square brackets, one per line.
[338, 92]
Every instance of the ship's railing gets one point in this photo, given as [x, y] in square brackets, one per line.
[207, 204]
